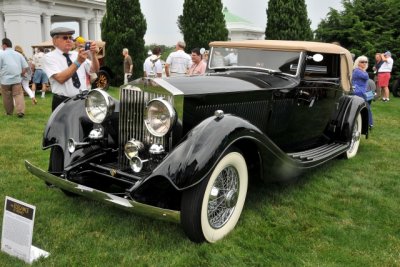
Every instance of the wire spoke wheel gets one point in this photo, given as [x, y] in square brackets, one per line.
[102, 81]
[210, 210]
[223, 197]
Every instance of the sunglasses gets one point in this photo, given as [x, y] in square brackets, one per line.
[66, 37]
[363, 61]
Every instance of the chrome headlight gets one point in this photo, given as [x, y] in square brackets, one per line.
[99, 105]
[160, 117]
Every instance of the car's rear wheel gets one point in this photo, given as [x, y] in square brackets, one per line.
[102, 81]
[355, 138]
[211, 209]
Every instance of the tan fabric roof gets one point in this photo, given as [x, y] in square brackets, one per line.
[284, 45]
[316, 47]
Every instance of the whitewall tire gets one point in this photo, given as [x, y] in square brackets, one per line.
[211, 209]
[355, 138]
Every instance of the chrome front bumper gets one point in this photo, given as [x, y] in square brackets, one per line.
[130, 205]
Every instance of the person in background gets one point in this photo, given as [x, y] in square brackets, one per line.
[80, 44]
[232, 58]
[39, 76]
[205, 56]
[198, 65]
[360, 82]
[375, 68]
[384, 75]
[64, 67]
[128, 65]
[217, 59]
[27, 77]
[178, 62]
[12, 67]
[152, 66]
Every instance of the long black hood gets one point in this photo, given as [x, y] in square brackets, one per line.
[233, 81]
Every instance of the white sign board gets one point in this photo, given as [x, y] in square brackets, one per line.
[16, 238]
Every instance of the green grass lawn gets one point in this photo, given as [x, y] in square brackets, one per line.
[345, 213]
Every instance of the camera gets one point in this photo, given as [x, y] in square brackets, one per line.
[87, 46]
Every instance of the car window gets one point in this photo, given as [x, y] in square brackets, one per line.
[279, 61]
[328, 67]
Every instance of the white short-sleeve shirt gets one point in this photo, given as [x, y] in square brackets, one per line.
[179, 62]
[152, 69]
[55, 62]
[386, 65]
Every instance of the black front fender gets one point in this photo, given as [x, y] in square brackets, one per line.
[194, 158]
[68, 120]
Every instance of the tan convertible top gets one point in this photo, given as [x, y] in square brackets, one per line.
[316, 47]
[284, 45]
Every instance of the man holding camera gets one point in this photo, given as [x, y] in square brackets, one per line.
[67, 69]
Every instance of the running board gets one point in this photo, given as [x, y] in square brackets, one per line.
[319, 153]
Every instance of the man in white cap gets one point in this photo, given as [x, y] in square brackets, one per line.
[63, 66]
[384, 75]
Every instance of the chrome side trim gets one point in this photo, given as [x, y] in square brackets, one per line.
[126, 204]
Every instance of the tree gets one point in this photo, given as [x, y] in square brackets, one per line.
[288, 20]
[364, 27]
[124, 26]
[201, 22]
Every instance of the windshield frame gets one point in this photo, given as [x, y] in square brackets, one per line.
[259, 64]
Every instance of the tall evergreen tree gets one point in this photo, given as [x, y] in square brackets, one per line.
[288, 20]
[201, 22]
[124, 26]
[364, 27]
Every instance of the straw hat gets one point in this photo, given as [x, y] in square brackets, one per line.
[19, 49]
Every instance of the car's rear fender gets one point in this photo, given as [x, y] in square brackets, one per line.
[349, 107]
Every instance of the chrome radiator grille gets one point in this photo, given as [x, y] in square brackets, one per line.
[131, 125]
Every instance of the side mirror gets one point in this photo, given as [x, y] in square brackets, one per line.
[317, 57]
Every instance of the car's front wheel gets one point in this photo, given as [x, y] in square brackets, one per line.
[355, 138]
[210, 210]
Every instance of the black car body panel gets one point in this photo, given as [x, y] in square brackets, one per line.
[284, 106]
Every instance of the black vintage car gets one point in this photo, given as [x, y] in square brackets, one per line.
[184, 149]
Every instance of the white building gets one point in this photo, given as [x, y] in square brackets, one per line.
[241, 29]
[28, 22]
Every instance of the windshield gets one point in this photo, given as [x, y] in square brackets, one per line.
[277, 61]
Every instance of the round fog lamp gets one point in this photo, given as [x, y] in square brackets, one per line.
[132, 148]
